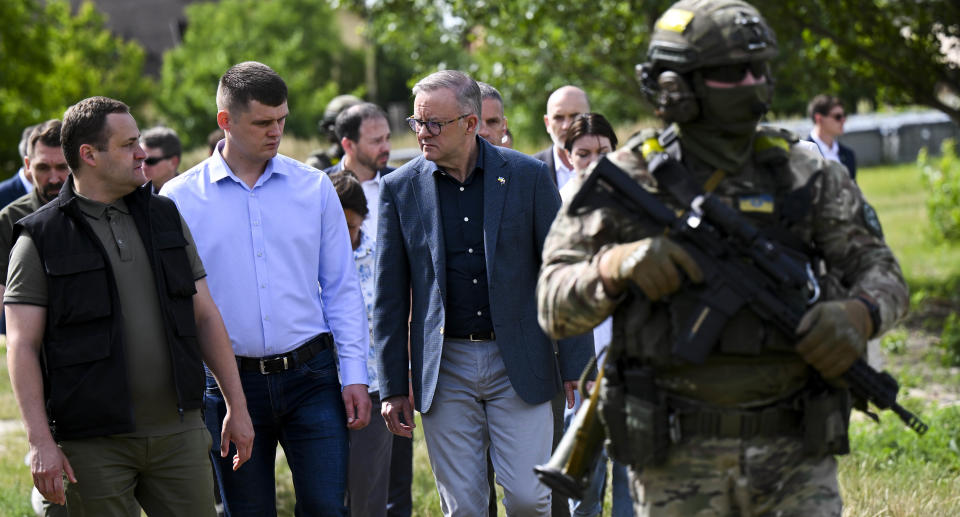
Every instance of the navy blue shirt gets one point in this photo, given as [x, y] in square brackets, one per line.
[461, 215]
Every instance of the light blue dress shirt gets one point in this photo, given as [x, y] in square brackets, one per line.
[278, 258]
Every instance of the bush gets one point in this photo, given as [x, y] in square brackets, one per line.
[950, 340]
[942, 178]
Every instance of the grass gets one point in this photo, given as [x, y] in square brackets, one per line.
[897, 194]
[891, 472]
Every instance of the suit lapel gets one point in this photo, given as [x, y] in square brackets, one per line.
[496, 181]
[428, 204]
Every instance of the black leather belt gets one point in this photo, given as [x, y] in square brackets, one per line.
[288, 361]
[477, 336]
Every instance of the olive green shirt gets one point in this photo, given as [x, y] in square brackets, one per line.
[20, 208]
[149, 370]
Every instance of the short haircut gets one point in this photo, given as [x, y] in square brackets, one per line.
[47, 134]
[489, 92]
[162, 138]
[351, 194]
[86, 123]
[464, 88]
[349, 120]
[250, 81]
[24, 139]
[822, 104]
[589, 124]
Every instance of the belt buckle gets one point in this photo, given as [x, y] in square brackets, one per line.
[472, 337]
[263, 362]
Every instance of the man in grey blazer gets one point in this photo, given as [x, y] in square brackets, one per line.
[460, 236]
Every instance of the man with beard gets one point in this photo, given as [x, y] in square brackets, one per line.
[364, 133]
[45, 164]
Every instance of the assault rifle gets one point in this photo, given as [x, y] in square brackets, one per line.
[741, 267]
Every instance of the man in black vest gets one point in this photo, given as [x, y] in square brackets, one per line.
[109, 324]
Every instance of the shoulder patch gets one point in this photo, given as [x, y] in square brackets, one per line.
[871, 219]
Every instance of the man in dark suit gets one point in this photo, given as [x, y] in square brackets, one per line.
[461, 231]
[20, 183]
[826, 112]
[563, 106]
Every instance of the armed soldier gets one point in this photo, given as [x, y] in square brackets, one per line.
[750, 424]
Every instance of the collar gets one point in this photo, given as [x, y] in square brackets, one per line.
[22, 174]
[824, 148]
[558, 163]
[96, 209]
[220, 170]
[365, 248]
[481, 161]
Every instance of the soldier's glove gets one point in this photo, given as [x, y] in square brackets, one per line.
[650, 263]
[834, 335]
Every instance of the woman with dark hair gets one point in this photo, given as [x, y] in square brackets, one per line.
[590, 136]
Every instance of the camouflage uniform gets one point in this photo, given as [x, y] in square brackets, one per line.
[710, 475]
[753, 429]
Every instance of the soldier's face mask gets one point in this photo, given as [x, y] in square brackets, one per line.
[723, 134]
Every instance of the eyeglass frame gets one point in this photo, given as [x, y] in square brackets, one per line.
[839, 117]
[414, 122]
[156, 159]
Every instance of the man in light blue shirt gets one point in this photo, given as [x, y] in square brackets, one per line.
[271, 231]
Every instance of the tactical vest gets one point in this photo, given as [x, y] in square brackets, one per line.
[777, 201]
[643, 407]
[85, 381]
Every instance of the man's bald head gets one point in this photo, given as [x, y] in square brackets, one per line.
[563, 106]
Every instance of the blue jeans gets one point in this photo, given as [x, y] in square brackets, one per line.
[302, 410]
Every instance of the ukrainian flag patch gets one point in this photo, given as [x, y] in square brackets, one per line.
[762, 203]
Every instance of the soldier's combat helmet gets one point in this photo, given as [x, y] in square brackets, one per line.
[697, 38]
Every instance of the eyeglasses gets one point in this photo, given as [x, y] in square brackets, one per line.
[153, 160]
[839, 117]
[433, 127]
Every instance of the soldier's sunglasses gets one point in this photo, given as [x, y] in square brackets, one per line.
[734, 73]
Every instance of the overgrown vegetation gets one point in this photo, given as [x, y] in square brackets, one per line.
[941, 175]
[51, 58]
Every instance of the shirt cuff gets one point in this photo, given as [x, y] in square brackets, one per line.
[353, 371]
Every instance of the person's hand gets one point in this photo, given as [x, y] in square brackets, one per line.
[48, 464]
[237, 428]
[834, 335]
[397, 412]
[569, 388]
[357, 402]
[651, 264]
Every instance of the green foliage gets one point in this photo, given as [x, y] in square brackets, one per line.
[891, 445]
[50, 59]
[297, 38]
[942, 178]
[895, 341]
[527, 48]
[950, 340]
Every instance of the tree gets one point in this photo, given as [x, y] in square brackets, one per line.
[50, 59]
[879, 50]
[894, 51]
[297, 38]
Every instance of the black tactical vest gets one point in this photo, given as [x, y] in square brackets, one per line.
[84, 371]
